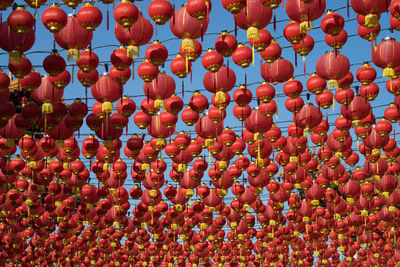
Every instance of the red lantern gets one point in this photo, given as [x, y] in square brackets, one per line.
[139, 34]
[15, 43]
[156, 53]
[88, 79]
[147, 71]
[242, 56]
[30, 82]
[120, 76]
[180, 66]
[20, 20]
[292, 32]
[369, 91]
[160, 11]
[226, 44]
[61, 80]
[332, 23]
[212, 60]
[262, 42]
[120, 59]
[304, 12]
[279, 71]
[189, 116]
[54, 18]
[89, 16]
[223, 80]
[386, 55]
[265, 92]
[20, 66]
[316, 84]
[332, 66]
[184, 26]
[338, 41]
[308, 117]
[255, 17]
[292, 88]
[73, 38]
[54, 64]
[233, 6]
[198, 9]
[88, 60]
[366, 74]
[126, 13]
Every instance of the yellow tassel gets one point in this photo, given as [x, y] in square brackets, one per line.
[371, 20]
[253, 34]
[187, 63]
[276, 110]
[252, 51]
[388, 72]
[220, 97]
[159, 103]
[47, 108]
[132, 51]
[333, 104]
[14, 55]
[73, 54]
[333, 84]
[107, 107]
[304, 27]
[358, 143]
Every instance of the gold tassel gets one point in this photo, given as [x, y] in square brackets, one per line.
[73, 54]
[253, 34]
[388, 72]
[333, 84]
[187, 63]
[252, 53]
[333, 104]
[220, 97]
[132, 51]
[276, 110]
[371, 20]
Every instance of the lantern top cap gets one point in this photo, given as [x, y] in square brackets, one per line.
[388, 38]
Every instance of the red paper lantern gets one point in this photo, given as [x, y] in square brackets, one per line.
[88, 60]
[278, 71]
[73, 37]
[147, 71]
[20, 20]
[332, 23]
[304, 12]
[226, 44]
[233, 6]
[242, 56]
[332, 66]
[160, 11]
[54, 64]
[386, 56]
[126, 13]
[212, 60]
[89, 17]
[54, 18]
[198, 9]
[292, 32]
